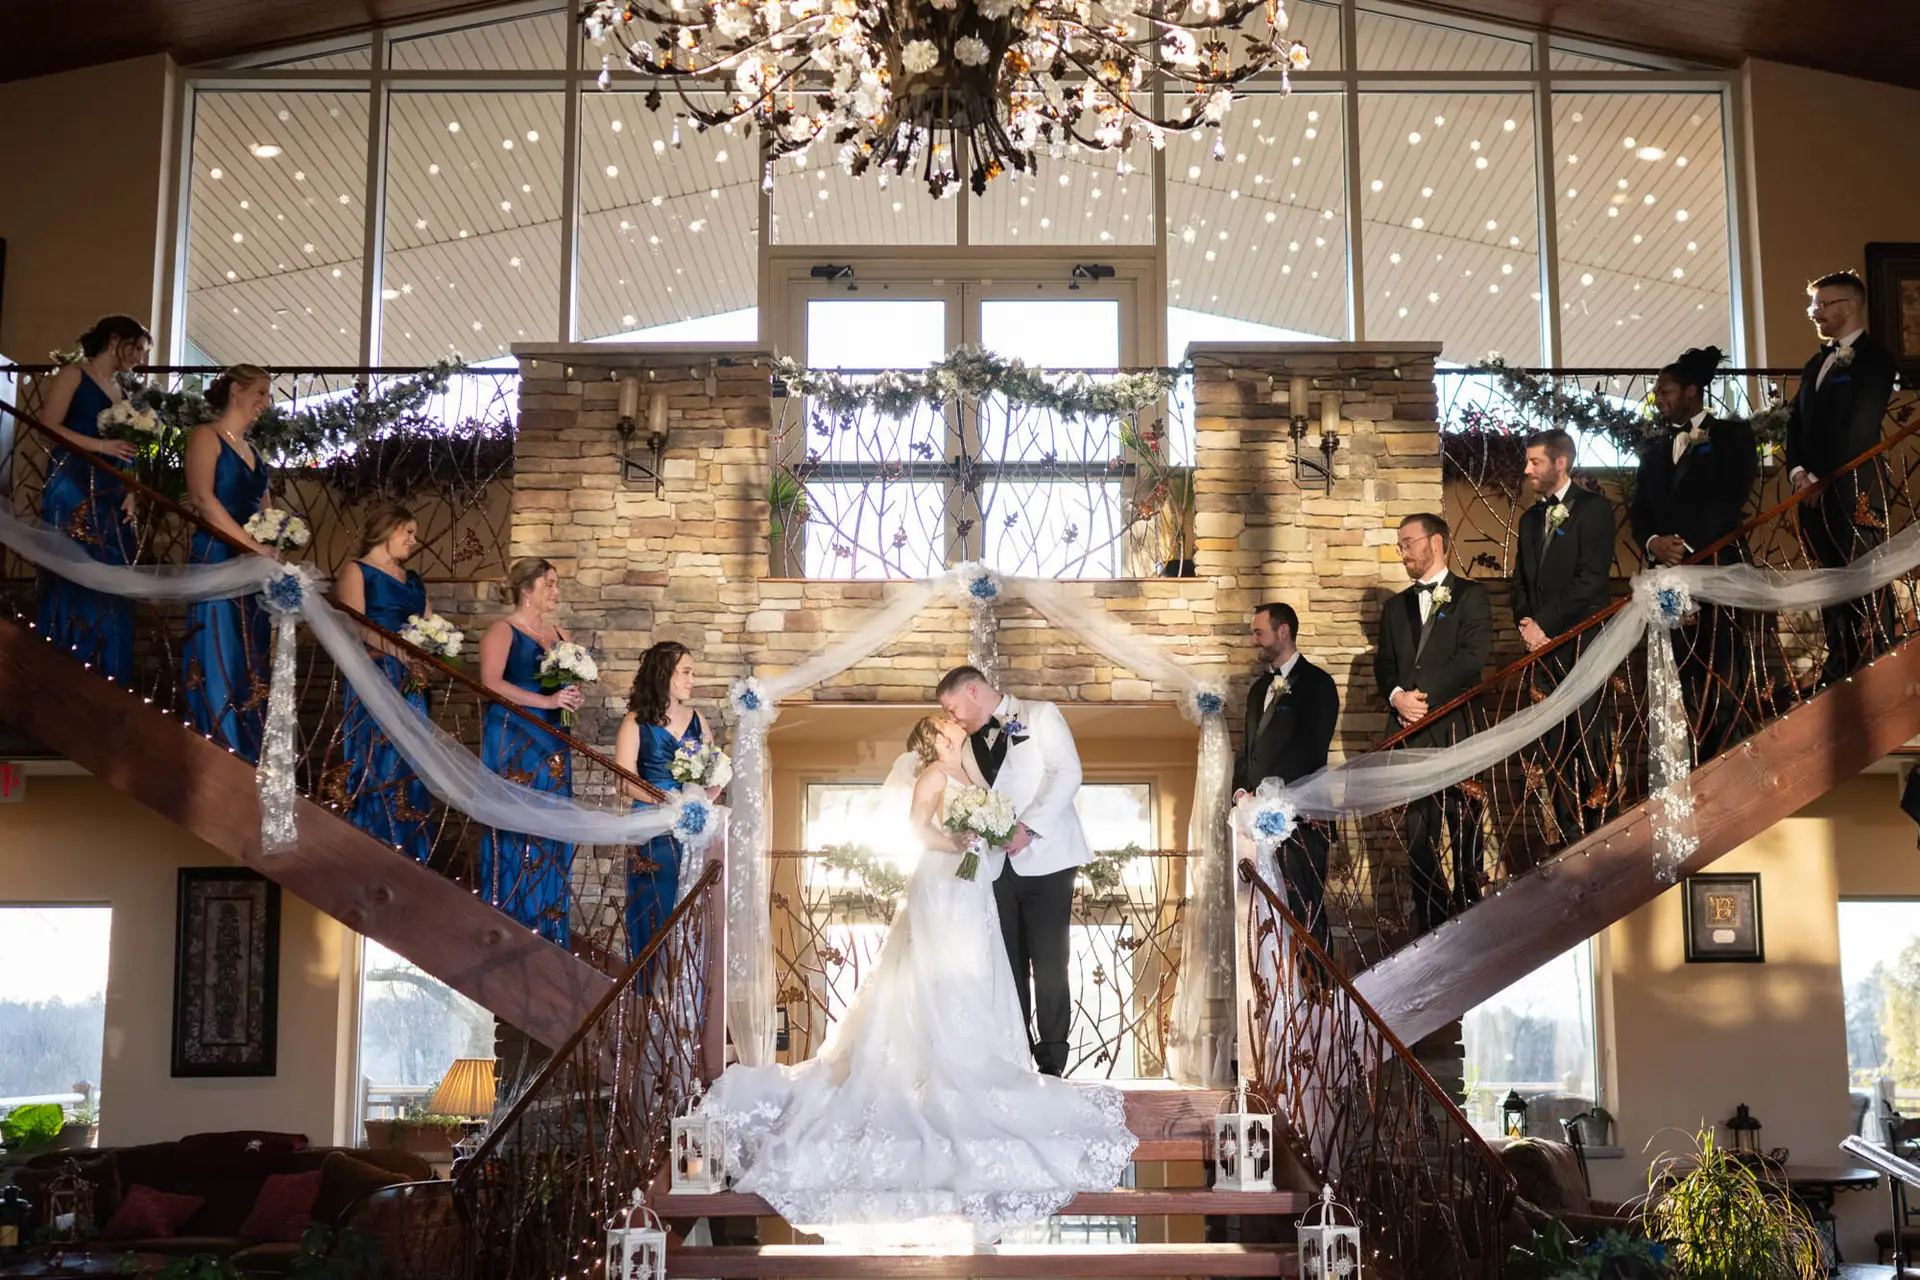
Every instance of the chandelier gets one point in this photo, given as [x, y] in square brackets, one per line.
[939, 85]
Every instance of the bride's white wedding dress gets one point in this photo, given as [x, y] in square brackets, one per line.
[923, 1119]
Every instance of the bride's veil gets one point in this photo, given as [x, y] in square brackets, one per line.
[893, 827]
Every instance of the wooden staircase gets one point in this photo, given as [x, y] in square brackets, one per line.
[1171, 1124]
[367, 886]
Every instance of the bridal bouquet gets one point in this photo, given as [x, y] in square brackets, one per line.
[132, 421]
[438, 637]
[984, 817]
[703, 764]
[279, 529]
[567, 663]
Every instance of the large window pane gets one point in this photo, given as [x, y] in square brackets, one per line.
[412, 1028]
[53, 1011]
[538, 43]
[1405, 44]
[276, 226]
[879, 529]
[1452, 236]
[473, 225]
[1049, 333]
[1641, 196]
[1536, 1039]
[669, 223]
[1880, 974]
[1258, 237]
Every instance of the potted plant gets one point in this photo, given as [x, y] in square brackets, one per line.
[1554, 1254]
[26, 1131]
[430, 1137]
[1595, 1126]
[787, 524]
[1723, 1219]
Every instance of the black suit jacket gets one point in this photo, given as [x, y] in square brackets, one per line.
[1443, 661]
[1296, 737]
[1703, 497]
[1840, 420]
[1560, 577]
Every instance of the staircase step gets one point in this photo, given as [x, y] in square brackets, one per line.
[741, 1262]
[1119, 1203]
[1170, 1120]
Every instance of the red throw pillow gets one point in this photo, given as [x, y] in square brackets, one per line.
[284, 1208]
[147, 1214]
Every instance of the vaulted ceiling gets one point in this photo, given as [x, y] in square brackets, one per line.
[1875, 40]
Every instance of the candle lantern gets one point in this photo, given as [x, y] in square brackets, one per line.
[1242, 1147]
[699, 1152]
[69, 1206]
[1745, 1130]
[1513, 1115]
[1329, 1248]
[636, 1244]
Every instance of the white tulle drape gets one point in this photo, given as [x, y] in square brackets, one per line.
[1201, 1047]
[1387, 780]
[450, 771]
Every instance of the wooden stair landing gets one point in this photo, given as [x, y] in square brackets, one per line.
[1786, 765]
[367, 886]
[1096, 1262]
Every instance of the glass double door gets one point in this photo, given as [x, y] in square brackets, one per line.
[1018, 487]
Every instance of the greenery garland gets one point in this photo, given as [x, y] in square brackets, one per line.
[1541, 399]
[970, 373]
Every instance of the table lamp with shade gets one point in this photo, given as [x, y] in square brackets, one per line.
[467, 1091]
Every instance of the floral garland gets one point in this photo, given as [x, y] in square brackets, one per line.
[1540, 399]
[973, 374]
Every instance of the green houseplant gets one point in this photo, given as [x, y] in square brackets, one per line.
[1724, 1219]
[787, 524]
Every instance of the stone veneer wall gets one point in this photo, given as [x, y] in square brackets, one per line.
[688, 566]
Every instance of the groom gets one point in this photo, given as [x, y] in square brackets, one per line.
[1025, 751]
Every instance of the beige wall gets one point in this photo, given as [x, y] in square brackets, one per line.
[1689, 1042]
[1835, 163]
[85, 158]
[76, 840]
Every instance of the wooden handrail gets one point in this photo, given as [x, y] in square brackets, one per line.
[1704, 556]
[641, 787]
[1250, 874]
[694, 898]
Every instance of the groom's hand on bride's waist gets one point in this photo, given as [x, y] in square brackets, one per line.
[1021, 839]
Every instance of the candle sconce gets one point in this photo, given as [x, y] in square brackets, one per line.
[650, 463]
[1299, 389]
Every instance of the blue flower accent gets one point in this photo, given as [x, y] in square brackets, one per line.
[1014, 728]
[1208, 703]
[983, 588]
[284, 594]
[693, 818]
[1273, 824]
[749, 700]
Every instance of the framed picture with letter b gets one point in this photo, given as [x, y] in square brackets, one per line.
[226, 973]
[1722, 918]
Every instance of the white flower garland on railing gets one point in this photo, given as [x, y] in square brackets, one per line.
[451, 772]
[1201, 1040]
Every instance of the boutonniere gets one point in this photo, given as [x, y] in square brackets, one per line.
[1281, 685]
[1841, 359]
[1696, 438]
[1556, 516]
[1016, 732]
[1442, 597]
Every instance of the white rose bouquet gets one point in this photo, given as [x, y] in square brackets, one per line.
[567, 663]
[438, 637]
[279, 529]
[986, 818]
[132, 421]
[703, 764]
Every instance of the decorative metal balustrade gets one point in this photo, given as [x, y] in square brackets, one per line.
[831, 911]
[1361, 1112]
[574, 895]
[1741, 669]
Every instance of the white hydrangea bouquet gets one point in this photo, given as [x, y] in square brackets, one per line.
[279, 529]
[702, 764]
[986, 818]
[131, 420]
[438, 637]
[567, 663]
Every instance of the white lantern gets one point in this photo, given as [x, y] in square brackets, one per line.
[697, 1159]
[1329, 1248]
[637, 1244]
[1242, 1147]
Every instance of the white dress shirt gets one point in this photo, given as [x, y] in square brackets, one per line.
[1282, 671]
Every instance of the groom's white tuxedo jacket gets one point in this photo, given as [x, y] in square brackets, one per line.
[1041, 775]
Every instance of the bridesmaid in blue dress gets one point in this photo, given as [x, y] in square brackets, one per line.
[660, 718]
[528, 878]
[387, 801]
[86, 504]
[223, 660]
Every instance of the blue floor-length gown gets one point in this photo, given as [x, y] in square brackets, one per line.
[528, 878]
[85, 503]
[389, 802]
[223, 661]
[652, 893]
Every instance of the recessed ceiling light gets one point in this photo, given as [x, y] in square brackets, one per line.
[1651, 153]
[1509, 125]
[237, 237]
[433, 170]
[216, 174]
[1413, 139]
[1418, 224]
[264, 150]
[1479, 162]
[1629, 143]
[533, 135]
[506, 144]
[613, 171]
[307, 247]
[1680, 161]
[1474, 145]
[1680, 215]
[389, 294]
[453, 126]
[1379, 185]
[419, 224]
[246, 204]
[616, 126]
[232, 276]
[1587, 279]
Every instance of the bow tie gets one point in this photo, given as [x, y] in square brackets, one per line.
[992, 725]
[1427, 588]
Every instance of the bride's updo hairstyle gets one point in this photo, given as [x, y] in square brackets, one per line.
[924, 741]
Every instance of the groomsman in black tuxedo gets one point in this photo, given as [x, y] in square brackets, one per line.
[1692, 491]
[1560, 579]
[1292, 709]
[1435, 639]
[1837, 416]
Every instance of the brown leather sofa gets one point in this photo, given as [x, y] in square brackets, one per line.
[227, 1172]
[1551, 1189]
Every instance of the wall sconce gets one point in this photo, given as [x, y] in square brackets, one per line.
[651, 465]
[1299, 388]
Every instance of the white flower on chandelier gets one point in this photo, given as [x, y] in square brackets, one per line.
[919, 57]
[971, 51]
[1180, 49]
[733, 22]
[994, 10]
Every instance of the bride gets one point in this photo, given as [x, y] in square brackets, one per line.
[923, 1119]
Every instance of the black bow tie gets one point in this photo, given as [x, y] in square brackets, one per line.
[993, 722]
[1829, 348]
[1426, 588]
